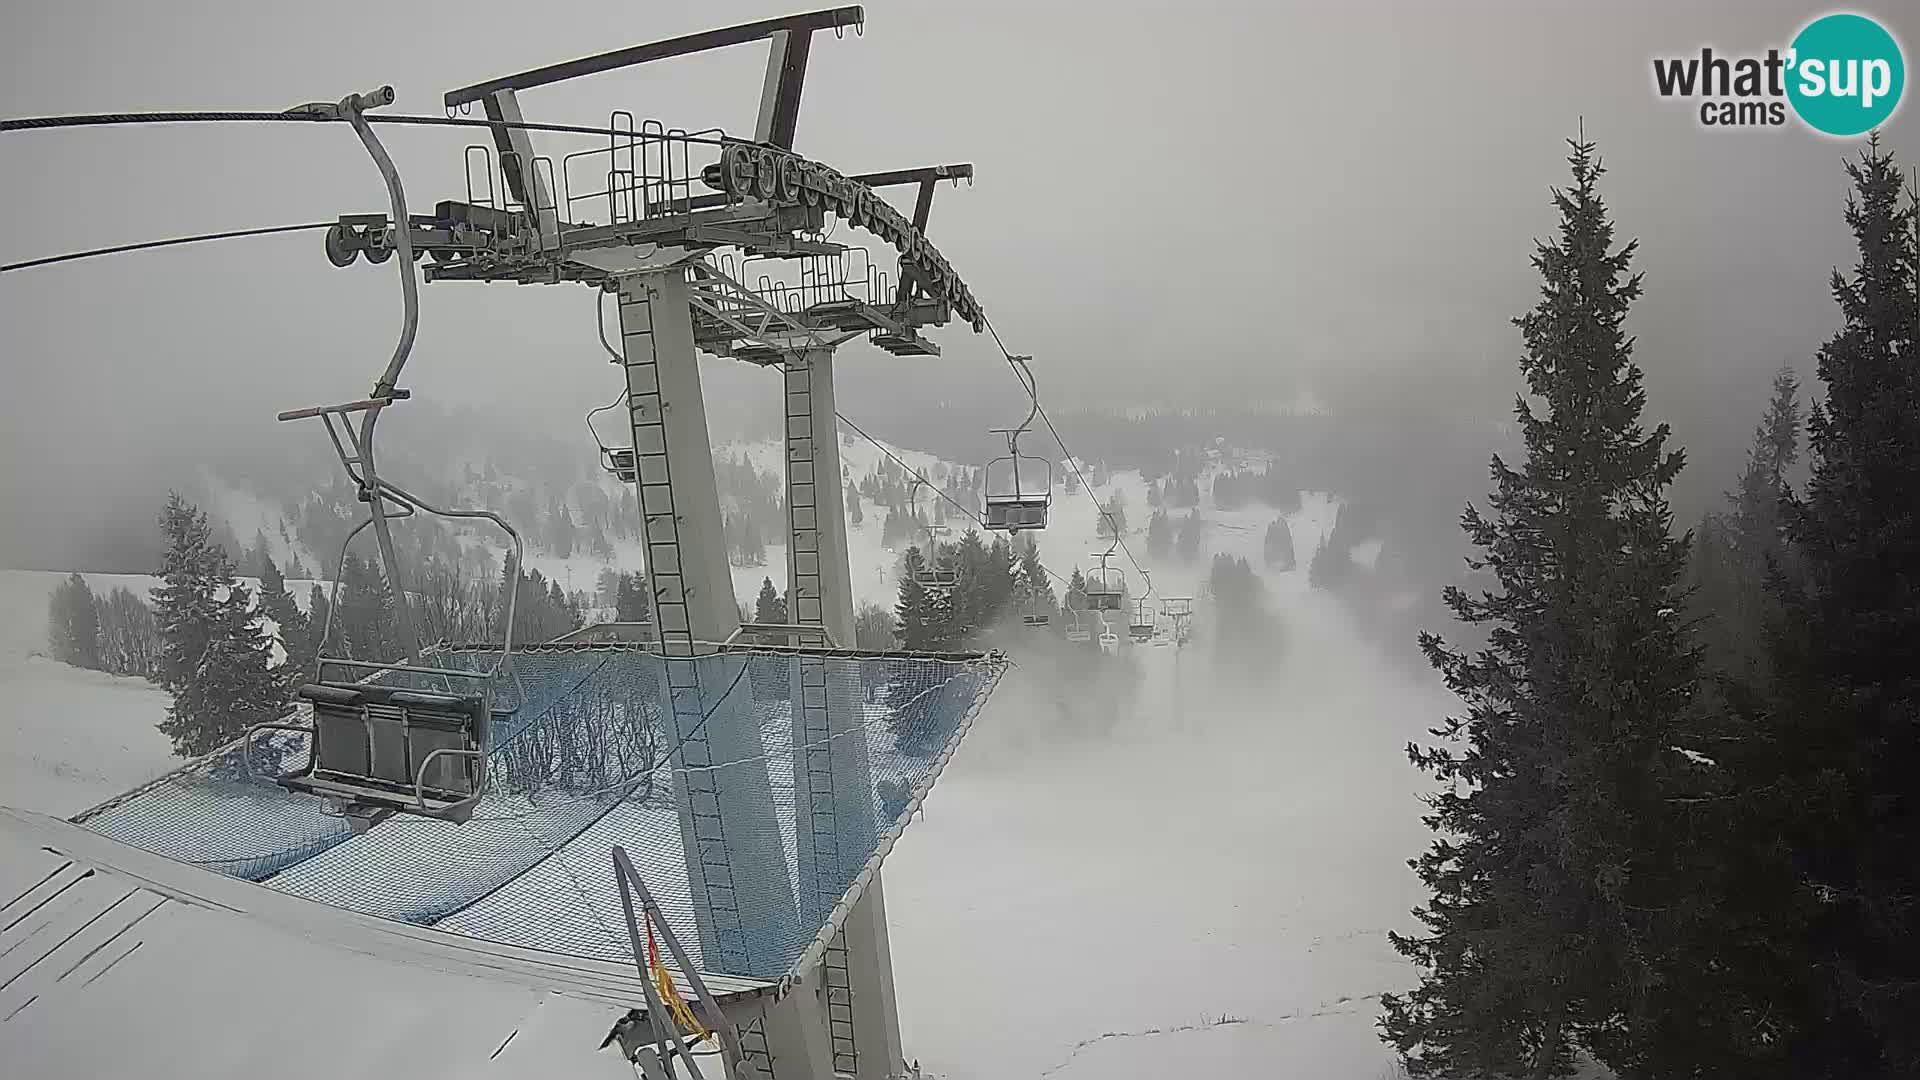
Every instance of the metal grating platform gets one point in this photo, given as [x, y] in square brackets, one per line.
[588, 761]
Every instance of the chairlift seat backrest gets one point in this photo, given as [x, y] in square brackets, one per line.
[374, 744]
[619, 461]
[1008, 513]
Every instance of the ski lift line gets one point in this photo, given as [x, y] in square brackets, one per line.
[1072, 461]
[41, 123]
[916, 474]
[121, 249]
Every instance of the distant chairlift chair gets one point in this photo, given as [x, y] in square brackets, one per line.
[933, 573]
[1106, 586]
[1140, 627]
[1019, 503]
[619, 461]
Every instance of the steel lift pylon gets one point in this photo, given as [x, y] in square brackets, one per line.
[663, 247]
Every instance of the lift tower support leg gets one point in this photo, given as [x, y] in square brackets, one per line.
[736, 864]
[855, 981]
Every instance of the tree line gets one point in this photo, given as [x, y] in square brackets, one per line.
[1676, 833]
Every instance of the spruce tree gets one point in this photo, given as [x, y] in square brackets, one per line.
[1278, 545]
[1002, 572]
[1074, 610]
[923, 615]
[261, 555]
[129, 638]
[1187, 546]
[1554, 874]
[768, 608]
[318, 611]
[1840, 747]
[1035, 588]
[364, 625]
[1736, 551]
[1159, 535]
[278, 605]
[971, 594]
[630, 602]
[73, 623]
[214, 658]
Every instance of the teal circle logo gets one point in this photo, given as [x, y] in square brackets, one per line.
[1845, 75]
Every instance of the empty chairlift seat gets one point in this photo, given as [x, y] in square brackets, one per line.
[1106, 586]
[1019, 488]
[619, 461]
[1014, 513]
[387, 748]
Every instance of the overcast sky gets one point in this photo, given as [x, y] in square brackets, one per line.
[1175, 204]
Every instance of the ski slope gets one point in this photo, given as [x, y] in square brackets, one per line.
[1199, 888]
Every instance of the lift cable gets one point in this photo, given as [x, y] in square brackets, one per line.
[918, 475]
[41, 123]
[98, 119]
[121, 249]
[1072, 462]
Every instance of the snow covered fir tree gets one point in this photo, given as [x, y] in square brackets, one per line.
[1552, 870]
[1830, 767]
[216, 658]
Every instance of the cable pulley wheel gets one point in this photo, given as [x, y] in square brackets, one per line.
[378, 254]
[340, 248]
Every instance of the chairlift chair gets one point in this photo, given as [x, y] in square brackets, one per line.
[938, 577]
[1106, 586]
[1140, 626]
[1019, 504]
[933, 573]
[1079, 632]
[1109, 641]
[378, 746]
[384, 748]
[619, 461]
[1017, 507]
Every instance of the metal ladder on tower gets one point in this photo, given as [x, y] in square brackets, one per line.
[654, 476]
[809, 610]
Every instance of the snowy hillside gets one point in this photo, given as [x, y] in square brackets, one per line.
[69, 738]
[1200, 889]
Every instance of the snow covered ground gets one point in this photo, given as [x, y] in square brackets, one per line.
[69, 738]
[1201, 890]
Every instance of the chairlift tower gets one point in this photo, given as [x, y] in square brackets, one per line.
[718, 244]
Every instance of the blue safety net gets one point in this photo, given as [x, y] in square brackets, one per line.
[750, 787]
